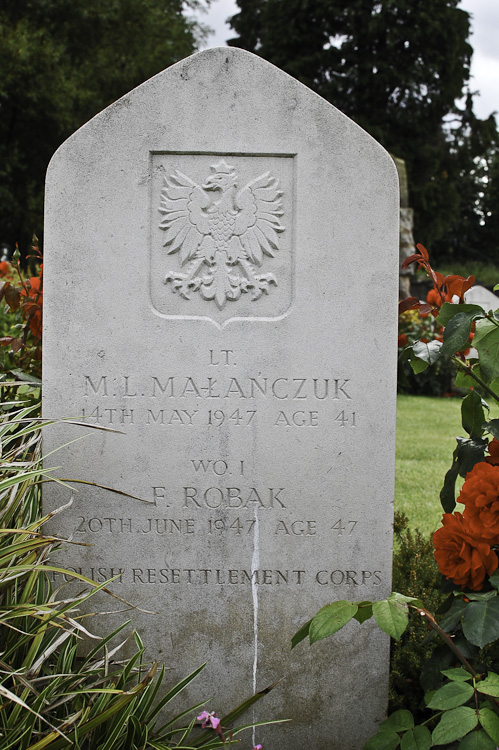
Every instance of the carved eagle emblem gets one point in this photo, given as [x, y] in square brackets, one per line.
[221, 232]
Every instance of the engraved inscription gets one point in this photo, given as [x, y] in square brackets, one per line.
[221, 577]
[254, 387]
[220, 400]
[239, 525]
[234, 497]
[221, 233]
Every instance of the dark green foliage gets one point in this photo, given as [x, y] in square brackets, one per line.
[475, 153]
[415, 573]
[61, 62]
[438, 381]
[396, 68]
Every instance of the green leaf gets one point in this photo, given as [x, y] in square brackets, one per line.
[493, 427]
[392, 616]
[399, 721]
[472, 413]
[495, 288]
[489, 685]
[330, 619]
[463, 379]
[396, 597]
[418, 738]
[494, 385]
[428, 696]
[470, 452]
[490, 722]
[477, 740]
[452, 618]
[452, 695]
[481, 622]
[494, 579]
[457, 332]
[454, 724]
[301, 634]
[448, 311]
[448, 491]
[383, 740]
[458, 674]
[486, 342]
[364, 612]
[424, 354]
[478, 596]
[26, 377]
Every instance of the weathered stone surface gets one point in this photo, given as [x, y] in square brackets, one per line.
[220, 286]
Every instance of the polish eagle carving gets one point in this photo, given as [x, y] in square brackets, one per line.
[221, 233]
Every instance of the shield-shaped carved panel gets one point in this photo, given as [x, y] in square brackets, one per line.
[221, 234]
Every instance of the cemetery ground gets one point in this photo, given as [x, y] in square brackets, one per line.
[426, 430]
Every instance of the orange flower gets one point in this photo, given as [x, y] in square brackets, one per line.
[33, 286]
[32, 308]
[493, 449]
[4, 268]
[434, 298]
[402, 341]
[480, 497]
[460, 557]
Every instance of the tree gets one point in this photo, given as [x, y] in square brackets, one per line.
[396, 67]
[61, 62]
[474, 146]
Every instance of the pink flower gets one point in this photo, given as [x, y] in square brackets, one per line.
[208, 719]
[257, 747]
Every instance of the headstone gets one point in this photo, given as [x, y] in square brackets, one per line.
[480, 295]
[220, 293]
[407, 245]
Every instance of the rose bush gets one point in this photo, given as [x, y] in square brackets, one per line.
[463, 680]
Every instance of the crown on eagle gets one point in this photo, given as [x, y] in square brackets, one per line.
[222, 167]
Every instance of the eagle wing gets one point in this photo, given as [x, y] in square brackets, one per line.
[184, 219]
[258, 221]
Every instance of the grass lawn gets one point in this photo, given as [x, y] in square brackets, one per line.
[426, 438]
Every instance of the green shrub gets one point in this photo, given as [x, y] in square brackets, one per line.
[436, 381]
[415, 573]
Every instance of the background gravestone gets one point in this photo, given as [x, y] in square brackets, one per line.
[220, 286]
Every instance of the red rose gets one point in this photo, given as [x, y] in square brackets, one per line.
[461, 557]
[480, 497]
[493, 449]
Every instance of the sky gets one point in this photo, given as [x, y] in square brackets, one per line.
[484, 40]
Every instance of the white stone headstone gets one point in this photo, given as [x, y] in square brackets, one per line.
[221, 272]
[480, 295]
